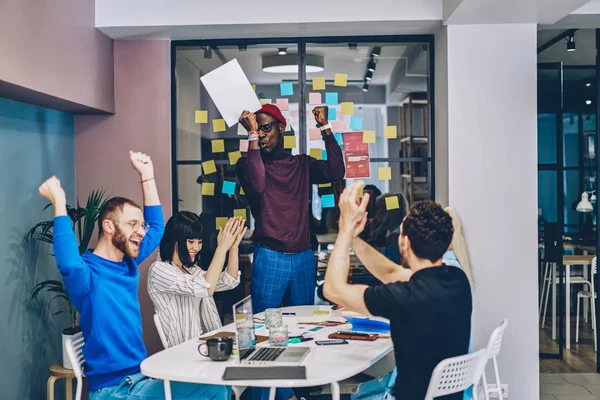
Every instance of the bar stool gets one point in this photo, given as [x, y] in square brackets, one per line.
[57, 371]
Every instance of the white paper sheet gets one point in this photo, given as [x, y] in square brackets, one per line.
[231, 91]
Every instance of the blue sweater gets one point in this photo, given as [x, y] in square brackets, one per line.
[106, 295]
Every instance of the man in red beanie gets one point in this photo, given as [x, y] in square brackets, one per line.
[278, 186]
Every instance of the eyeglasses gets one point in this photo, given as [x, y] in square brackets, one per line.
[267, 127]
[135, 225]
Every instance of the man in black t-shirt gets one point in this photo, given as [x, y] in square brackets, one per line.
[429, 307]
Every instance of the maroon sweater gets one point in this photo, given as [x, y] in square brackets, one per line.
[277, 185]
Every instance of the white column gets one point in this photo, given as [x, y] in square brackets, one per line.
[487, 115]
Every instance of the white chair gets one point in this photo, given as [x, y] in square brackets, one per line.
[75, 354]
[456, 374]
[161, 332]
[588, 294]
[493, 349]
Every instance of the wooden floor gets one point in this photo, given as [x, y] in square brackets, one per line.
[579, 358]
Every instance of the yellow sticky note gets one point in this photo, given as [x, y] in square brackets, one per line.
[265, 101]
[340, 80]
[316, 153]
[391, 203]
[361, 192]
[289, 142]
[390, 132]
[242, 191]
[318, 83]
[368, 136]
[347, 107]
[385, 173]
[208, 189]
[254, 87]
[240, 212]
[209, 167]
[322, 185]
[218, 146]
[221, 221]
[234, 156]
[201, 116]
[219, 125]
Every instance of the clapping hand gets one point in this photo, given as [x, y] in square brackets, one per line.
[353, 212]
[229, 234]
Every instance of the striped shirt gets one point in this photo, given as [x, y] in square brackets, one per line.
[182, 302]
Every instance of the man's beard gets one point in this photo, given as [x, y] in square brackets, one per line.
[122, 243]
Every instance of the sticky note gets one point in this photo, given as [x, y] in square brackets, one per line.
[287, 88]
[331, 98]
[218, 125]
[254, 87]
[314, 134]
[208, 189]
[242, 191]
[340, 80]
[324, 156]
[338, 126]
[390, 132]
[240, 212]
[209, 167]
[314, 98]
[265, 101]
[339, 138]
[228, 187]
[385, 173]
[391, 203]
[369, 136]
[283, 104]
[220, 222]
[361, 192]
[241, 130]
[347, 107]
[324, 185]
[356, 123]
[234, 156]
[328, 201]
[331, 114]
[288, 125]
[243, 145]
[316, 153]
[201, 116]
[289, 142]
[318, 83]
[218, 146]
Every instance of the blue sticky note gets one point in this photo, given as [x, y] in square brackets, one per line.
[356, 123]
[287, 88]
[332, 114]
[327, 201]
[324, 155]
[339, 138]
[331, 98]
[228, 187]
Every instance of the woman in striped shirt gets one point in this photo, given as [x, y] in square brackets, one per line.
[181, 291]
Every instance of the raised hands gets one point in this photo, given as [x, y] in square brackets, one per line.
[231, 234]
[320, 114]
[53, 191]
[248, 121]
[142, 164]
[353, 212]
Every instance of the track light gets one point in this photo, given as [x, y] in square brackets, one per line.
[588, 102]
[352, 46]
[571, 42]
[368, 76]
[207, 52]
[242, 47]
[371, 66]
[588, 84]
[365, 87]
[282, 51]
[376, 51]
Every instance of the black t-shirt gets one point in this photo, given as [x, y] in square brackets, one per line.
[430, 320]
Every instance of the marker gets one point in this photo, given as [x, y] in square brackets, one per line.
[288, 313]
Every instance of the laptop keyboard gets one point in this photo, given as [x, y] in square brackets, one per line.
[266, 354]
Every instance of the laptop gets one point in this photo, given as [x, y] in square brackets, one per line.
[245, 337]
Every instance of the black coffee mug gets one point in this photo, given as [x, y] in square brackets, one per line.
[218, 349]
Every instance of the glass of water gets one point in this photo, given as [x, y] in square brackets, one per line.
[278, 336]
[273, 318]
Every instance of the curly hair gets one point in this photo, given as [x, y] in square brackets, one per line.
[429, 229]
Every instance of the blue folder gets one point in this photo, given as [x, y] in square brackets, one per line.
[368, 325]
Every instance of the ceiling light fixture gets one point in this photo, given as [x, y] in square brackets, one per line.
[242, 47]
[365, 87]
[207, 52]
[288, 63]
[588, 102]
[352, 46]
[376, 51]
[371, 66]
[368, 76]
[570, 42]
[588, 84]
[282, 51]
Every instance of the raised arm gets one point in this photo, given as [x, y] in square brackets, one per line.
[226, 239]
[75, 272]
[379, 265]
[332, 169]
[230, 278]
[251, 169]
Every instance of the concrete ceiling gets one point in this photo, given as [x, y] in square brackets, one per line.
[585, 48]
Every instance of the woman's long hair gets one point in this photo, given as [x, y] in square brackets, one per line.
[182, 226]
[459, 245]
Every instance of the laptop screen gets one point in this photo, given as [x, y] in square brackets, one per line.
[244, 325]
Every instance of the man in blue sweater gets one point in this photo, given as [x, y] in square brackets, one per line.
[103, 286]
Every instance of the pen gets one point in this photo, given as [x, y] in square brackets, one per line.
[288, 313]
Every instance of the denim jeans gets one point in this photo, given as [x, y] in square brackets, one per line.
[140, 387]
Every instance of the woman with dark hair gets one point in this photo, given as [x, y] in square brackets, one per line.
[181, 291]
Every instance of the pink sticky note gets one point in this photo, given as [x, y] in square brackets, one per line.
[338, 126]
[314, 98]
[243, 145]
[283, 104]
[314, 134]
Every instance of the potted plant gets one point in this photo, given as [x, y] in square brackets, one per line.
[84, 220]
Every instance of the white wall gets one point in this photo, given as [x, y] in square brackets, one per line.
[492, 160]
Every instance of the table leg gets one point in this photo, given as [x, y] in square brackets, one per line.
[272, 393]
[335, 391]
[568, 306]
[69, 388]
[237, 391]
[554, 266]
[167, 389]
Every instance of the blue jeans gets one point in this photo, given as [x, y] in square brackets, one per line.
[138, 386]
